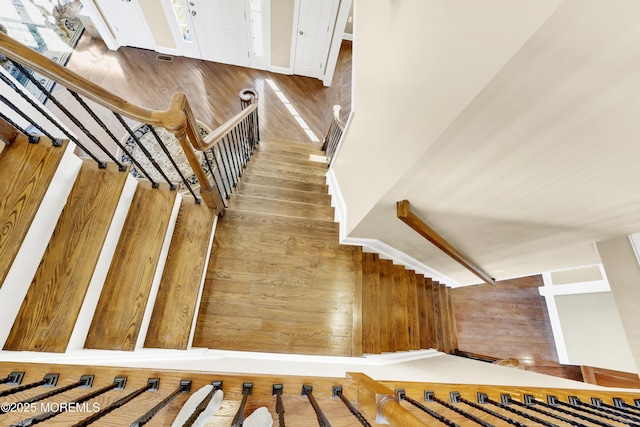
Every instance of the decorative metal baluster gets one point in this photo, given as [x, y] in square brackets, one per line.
[402, 395]
[145, 152]
[600, 411]
[11, 105]
[277, 392]
[531, 406]
[227, 192]
[49, 380]
[33, 139]
[217, 385]
[430, 396]
[71, 117]
[118, 384]
[14, 378]
[152, 385]
[455, 397]
[307, 390]
[234, 169]
[556, 407]
[618, 405]
[247, 389]
[213, 177]
[337, 392]
[227, 166]
[185, 387]
[483, 398]
[236, 150]
[173, 162]
[85, 381]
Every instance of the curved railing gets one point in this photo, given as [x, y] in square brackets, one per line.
[236, 138]
[334, 134]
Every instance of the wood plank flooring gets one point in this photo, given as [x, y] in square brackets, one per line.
[509, 320]
[50, 309]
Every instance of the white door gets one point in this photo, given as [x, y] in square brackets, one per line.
[221, 30]
[316, 19]
[127, 23]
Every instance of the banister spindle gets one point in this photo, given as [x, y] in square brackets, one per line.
[430, 396]
[554, 404]
[600, 411]
[14, 378]
[455, 397]
[152, 385]
[49, 380]
[337, 392]
[185, 387]
[483, 398]
[85, 381]
[217, 385]
[531, 405]
[118, 384]
[32, 122]
[402, 395]
[277, 392]
[307, 390]
[619, 405]
[33, 139]
[247, 389]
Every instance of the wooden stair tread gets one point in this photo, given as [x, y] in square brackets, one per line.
[310, 171]
[276, 194]
[175, 304]
[49, 311]
[386, 288]
[21, 192]
[283, 170]
[413, 320]
[118, 316]
[281, 144]
[399, 309]
[277, 223]
[423, 308]
[284, 208]
[310, 160]
[371, 302]
[250, 177]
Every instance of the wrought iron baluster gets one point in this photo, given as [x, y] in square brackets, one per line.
[236, 149]
[236, 170]
[85, 381]
[247, 389]
[619, 405]
[483, 398]
[48, 380]
[75, 121]
[531, 406]
[444, 420]
[455, 397]
[27, 118]
[277, 392]
[118, 383]
[430, 396]
[227, 192]
[213, 177]
[217, 385]
[227, 166]
[556, 407]
[337, 392]
[146, 152]
[600, 411]
[185, 387]
[14, 378]
[152, 384]
[307, 390]
[33, 139]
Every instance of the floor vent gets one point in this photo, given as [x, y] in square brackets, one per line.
[165, 58]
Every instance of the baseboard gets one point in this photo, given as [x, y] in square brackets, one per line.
[377, 246]
[280, 70]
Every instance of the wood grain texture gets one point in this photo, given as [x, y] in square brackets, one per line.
[371, 304]
[386, 313]
[400, 324]
[25, 172]
[423, 318]
[429, 308]
[117, 319]
[284, 194]
[610, 378]
[175, 303]
[49, 311]
[7, 133]
[288, 208]
[437, 315]
[509, 320]
[452, 331]
[356, 328]
[413, 319]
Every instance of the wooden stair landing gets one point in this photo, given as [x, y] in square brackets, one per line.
[21, 193]
[278, 280]
[48, 314]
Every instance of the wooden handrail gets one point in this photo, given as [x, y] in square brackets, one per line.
[178, 118]
[404, 213]
[214, 137]
[380, 401]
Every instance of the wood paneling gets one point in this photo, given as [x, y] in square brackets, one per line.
[175, 305]
[21, 193]
[509, 320]
[49, 311]
[118, 316]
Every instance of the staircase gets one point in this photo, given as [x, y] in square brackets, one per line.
[123, 266]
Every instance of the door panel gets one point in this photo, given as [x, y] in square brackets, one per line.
[127, 23]
[316, 19]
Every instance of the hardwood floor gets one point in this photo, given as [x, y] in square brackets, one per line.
[212, 90]
[509, 320]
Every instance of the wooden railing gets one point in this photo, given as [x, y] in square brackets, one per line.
[33, 394]
[178, 119]
[412, 220]
[334, 134]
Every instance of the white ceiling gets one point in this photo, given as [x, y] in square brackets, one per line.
[543, 162]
